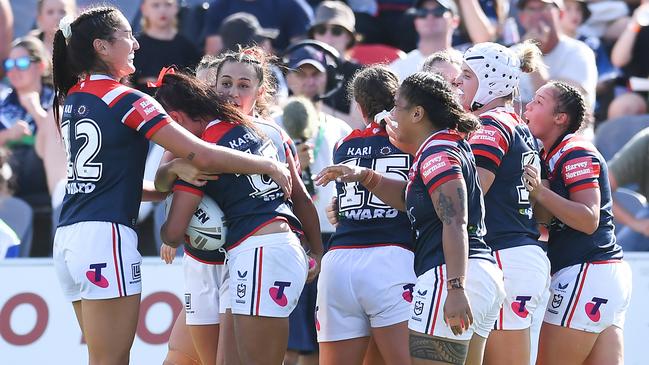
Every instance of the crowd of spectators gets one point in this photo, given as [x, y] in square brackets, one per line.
[595, 45]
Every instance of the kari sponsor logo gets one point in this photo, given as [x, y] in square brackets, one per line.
[277, 293]
[95, 276]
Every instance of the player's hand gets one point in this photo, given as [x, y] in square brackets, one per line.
[187, 172]
[457, 311]
[18, 131]
[305, 154]
[282, 176]
[332, 211]
[314, 267]
[344, 173]
[167, 253]
[532, 180]
[31, 101]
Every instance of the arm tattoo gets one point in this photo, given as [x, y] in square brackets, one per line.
[437, 349]
[191, 156]
[461, 194]
[445, 208]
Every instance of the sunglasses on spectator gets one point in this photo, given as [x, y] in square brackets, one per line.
[437, 12]
[21, 63]
[336, 30]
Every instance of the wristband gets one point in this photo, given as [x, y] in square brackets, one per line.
[371, 180]
[455, 283]
[635, 27]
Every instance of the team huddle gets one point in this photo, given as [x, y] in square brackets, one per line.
[440, 203]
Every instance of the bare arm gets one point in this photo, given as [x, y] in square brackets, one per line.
[476, 22]
[305, 211]
[580, 212]
[150, 194]
[6, 30]
[486, 179]
[623, 48]
[218, 159]
[450, 202]
[183, 205]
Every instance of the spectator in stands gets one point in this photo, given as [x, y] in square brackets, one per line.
[435, 22]
[160, 43]
[242, 30]
[48, 15]
[632, 54]
[9, 240]
[335, 25]
[567, 59]
[26, 108]
[307, 77]
[577, 13]
[291, 17]
[630, 166]
[6, 31]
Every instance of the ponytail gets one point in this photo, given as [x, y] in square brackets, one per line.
[530, 56]
[62, 74]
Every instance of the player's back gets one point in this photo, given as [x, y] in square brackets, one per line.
[364, 220]
[503, 146]
[248, 201]
[105, 126]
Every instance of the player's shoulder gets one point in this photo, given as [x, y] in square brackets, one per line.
[219, 130]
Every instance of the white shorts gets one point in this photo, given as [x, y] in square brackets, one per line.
[97, 260]
[590, 297]
[267, 275]
[363, 288]
[526, 270]
[206, 291]
[484, 288]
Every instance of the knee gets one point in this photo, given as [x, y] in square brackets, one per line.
[627, 104]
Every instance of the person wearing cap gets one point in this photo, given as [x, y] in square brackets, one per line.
[243, 30]
[335, 25]
[435, 21]
[307, 77]
[291, 18]
[567, 59]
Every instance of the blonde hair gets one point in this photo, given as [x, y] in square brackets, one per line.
[146, 24]
[530, 56]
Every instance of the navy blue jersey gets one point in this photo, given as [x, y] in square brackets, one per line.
[573, 165]
[443, 157]
[105, 126]
[280, 139]
[364, 220]
[503, 146]
[249, 202]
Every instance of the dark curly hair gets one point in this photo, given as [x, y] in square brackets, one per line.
[374, 88]
[570, 101]
[434, 94]
[181, 92]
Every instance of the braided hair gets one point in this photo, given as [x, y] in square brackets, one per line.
[374, 88]
[434, 94]
[571, 101]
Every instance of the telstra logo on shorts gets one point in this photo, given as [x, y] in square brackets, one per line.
[95, 276]
[407, 292]
[592, 308]
[519, 306]
[277, 294]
